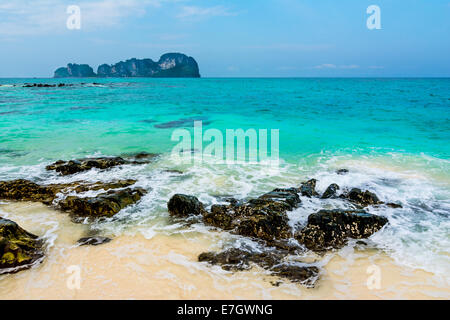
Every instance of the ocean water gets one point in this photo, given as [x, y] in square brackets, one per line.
[392, 134]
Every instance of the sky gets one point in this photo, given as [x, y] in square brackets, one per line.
[232, 38]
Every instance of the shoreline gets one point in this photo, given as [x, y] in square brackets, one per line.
[131, 267]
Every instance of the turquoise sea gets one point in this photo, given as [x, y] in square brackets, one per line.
[392, 134]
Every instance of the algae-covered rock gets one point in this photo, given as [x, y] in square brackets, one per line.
[25, 190]
[19, 249]
[104, 205]
[361, 198]
[328, 229]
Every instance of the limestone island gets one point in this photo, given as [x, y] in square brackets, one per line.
[170, 65]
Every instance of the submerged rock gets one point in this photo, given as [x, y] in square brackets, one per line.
[181, 205]
[342, 171]
[308, 189]
[394, 205]
[239, 260]
[93, 241]
[104, 205]
[331, 192]
[19, 249]
[331, 228]
[361, 198]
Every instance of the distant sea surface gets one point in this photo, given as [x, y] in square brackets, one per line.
[392, 134]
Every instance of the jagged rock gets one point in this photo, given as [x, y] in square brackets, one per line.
[239, 260]
[93, 241]
[74, 70]
[264, 217]
[308, 189]
[331, 191]
[363, 199]
[342, 171]
[19, 249]
[104, 205]
[75, 166]
[331, 228]
[181, 205]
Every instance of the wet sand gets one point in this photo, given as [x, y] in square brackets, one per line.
[165, 267]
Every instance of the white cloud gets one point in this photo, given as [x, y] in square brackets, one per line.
[194, 11]
[333, 66]
[325, 66]
[31, 17]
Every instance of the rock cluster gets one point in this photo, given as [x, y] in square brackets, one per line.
[265, 220]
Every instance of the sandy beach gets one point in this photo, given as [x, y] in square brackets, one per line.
[166, 267]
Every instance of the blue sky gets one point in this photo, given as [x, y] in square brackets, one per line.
[260, 38]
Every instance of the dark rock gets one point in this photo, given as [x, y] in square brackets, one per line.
[308, 189]
[331, 191]
[75, 71]
[306, 275]
[93, 241]
[104, 205]
[19, 249]
[363, 199]
[181, 205]
[342, 171]
[394, 205]
[330, 228]
[76, 166]
[142, 158]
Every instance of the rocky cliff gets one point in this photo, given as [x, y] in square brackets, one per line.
[75, 71]
[170, 65]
